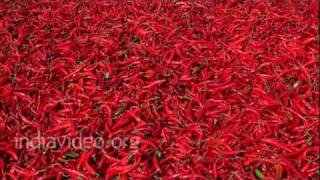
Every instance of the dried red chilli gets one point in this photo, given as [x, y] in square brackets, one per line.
[190, 89]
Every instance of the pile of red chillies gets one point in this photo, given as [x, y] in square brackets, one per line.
[210, 89]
